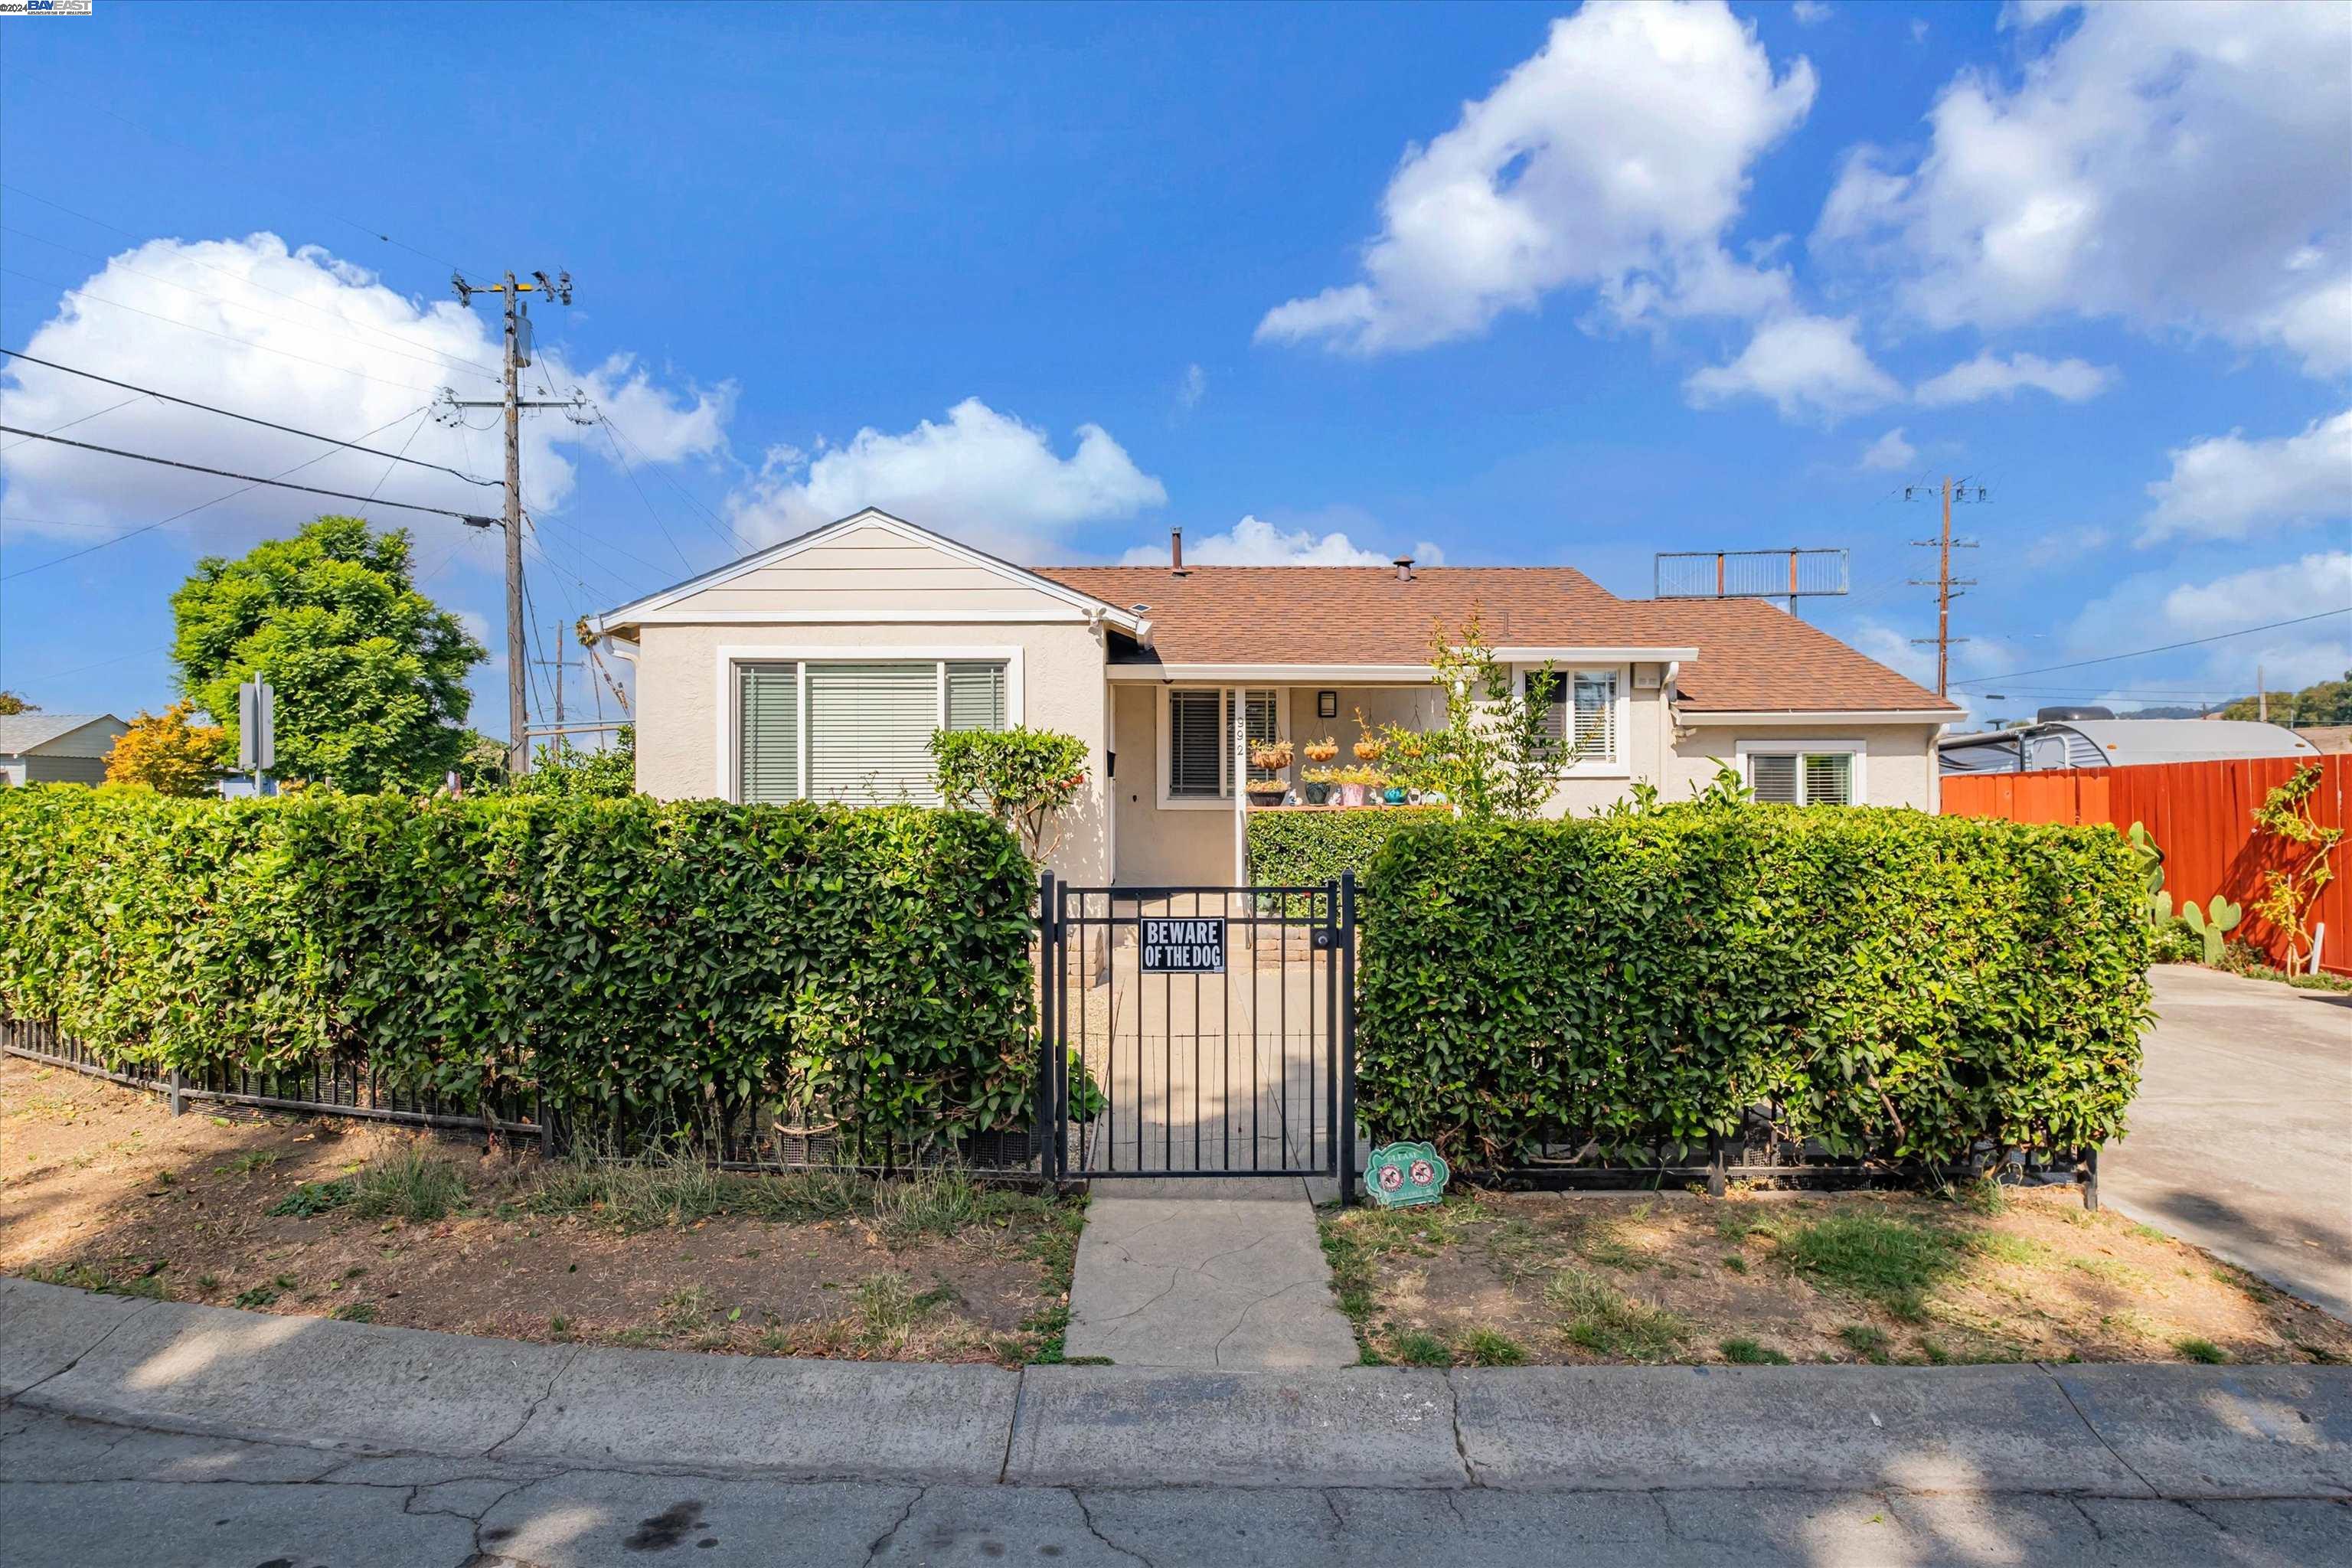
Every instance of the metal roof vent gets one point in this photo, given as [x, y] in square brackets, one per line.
[1404, 568]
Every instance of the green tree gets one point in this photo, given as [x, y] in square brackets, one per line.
[10, 703]
[572, 772]
[2321, 702]
[369, 673]
[1024, 778]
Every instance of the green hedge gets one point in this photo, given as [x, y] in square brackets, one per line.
[1896, 986]
[1302, 848]
[637, 964]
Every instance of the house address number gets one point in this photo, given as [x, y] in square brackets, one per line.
[1191, 945]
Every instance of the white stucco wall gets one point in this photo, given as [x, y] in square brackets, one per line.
[1898, 768]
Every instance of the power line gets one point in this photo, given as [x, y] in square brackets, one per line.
[151, 527]
[249, 479]
[71, 423]
[2166, 648]
[719, 526]
[249, 420]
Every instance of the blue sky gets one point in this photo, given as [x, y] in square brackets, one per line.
[1502, 284]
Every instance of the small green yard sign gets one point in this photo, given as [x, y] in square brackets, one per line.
[1403, 1175]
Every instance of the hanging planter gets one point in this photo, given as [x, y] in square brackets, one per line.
[1321, 751]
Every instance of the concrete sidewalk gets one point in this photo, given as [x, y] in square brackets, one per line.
[1219, 1274]
[2118, 1432]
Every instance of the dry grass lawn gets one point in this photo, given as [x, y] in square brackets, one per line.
[1991, 1275]
[101, 1188]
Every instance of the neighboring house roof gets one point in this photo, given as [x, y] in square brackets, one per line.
[2121, 743]
[1752, 657]
[23, 733]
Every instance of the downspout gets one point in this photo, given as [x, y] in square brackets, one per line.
[1666, 719]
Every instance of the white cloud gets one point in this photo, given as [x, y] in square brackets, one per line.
[1990, 375]
[2155, 607]
[1192, 387]
[1614, 159]
[2179, 167]
[308, 341]
[1252, 543]
[1804, 365]
[2065, 544]
[981, 477]
[1889, 451]
[2226, 487]
[1809, 13]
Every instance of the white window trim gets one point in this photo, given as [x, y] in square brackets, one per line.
[729, 781]
[1621, 766]
[1223, 799]
[1797, 746]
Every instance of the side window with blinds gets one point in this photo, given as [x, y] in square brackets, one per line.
[975, 695]
[768, 736]
[1195, 744]
[1802, 778]
[1582, 707]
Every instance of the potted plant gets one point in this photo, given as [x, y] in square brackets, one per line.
[1369, 747]
[1319, 782]
[1273, 756]
[1359, 785]
[1322, 751]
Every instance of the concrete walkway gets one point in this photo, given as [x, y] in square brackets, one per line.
[2240, 1139]
[154, 1434]
[1217, 1274]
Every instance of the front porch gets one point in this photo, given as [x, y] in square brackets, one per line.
[1179, 781]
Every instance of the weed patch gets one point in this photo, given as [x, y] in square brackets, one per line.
[1748, 1352]
[1608, 1322]
[1891, 1262]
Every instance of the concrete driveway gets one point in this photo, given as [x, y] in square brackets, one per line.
[2240, 1140]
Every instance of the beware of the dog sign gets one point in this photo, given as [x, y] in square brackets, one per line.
[1191, 945]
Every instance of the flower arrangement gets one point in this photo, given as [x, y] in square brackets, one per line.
[1369, 747]
[1322, 751]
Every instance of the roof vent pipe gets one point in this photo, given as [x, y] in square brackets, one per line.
[1176, 551]
[1404, 568]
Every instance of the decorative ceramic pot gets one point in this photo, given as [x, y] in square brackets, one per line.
[1351, 794]
[1394, 795]
[1317, 793]
[1267, 794]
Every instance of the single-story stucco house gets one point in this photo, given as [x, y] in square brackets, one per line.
[818, 667]
[56, 748]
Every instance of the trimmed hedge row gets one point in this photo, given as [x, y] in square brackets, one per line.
[1893, 984]
[1302, 848]
[637, 964]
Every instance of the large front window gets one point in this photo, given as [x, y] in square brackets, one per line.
[1200, 738]
[858, 732]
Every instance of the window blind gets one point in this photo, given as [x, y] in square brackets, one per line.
[768, 741]
[975, 695]
[1774, 779]
[1195, 743]
[869, 732]
[1592, 697]
[1829, 778]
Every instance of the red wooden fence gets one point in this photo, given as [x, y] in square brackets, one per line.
[2201, 814]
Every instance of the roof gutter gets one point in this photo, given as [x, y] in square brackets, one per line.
[1696, 716]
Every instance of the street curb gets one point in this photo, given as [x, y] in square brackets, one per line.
[2184, 1432]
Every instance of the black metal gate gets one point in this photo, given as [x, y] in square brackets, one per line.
[1197, 1031]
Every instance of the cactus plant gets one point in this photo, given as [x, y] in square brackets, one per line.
[2216, 920]
[2150, 856]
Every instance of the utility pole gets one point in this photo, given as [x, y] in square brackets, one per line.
[559, 664]
[1954, 490]
[518, 354]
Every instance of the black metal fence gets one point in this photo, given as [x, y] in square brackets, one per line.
[731, 1132]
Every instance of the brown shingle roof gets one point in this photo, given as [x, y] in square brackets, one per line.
[1751, 656]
